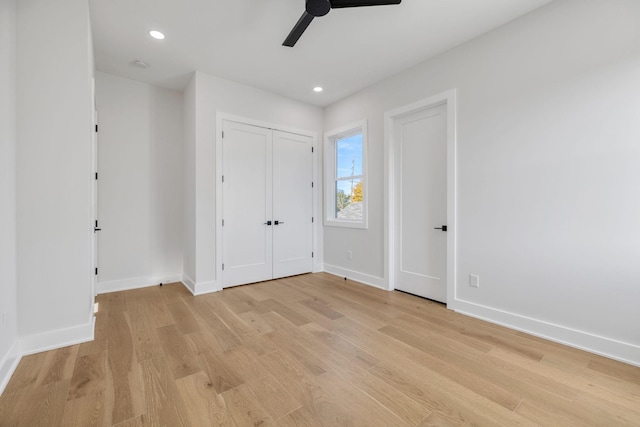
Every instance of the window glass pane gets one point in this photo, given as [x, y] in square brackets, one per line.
[349, 156]
[349, 196]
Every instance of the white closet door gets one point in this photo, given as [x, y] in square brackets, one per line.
[246, 204]
[292, 204]
[421, 203]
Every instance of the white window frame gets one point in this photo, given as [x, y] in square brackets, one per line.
[330, 139]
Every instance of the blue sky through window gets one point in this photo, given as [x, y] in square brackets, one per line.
[349, 156]
[348, 161]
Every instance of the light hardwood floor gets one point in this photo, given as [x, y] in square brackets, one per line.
[311, 350]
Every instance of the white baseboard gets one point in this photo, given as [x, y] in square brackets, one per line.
[189, 283]
[200, 288]
[8, 365]
[206, 288]
[376, 282]
[45, 341]
[617, 350]
[50, 340]
[135, 283]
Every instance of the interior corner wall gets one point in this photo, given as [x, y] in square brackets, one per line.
[547, 172]
[189, 184]
[54, 131]
[212, 95]
[8, 277]
[140, 183]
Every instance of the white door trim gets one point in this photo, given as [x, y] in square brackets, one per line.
[317, 203]
[448, 98]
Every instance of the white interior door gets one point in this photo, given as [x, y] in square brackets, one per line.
[94, 193]
[246, 204]
[421, 203]
[94, 201]
[292, 204]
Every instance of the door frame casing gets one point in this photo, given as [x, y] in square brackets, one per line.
[449, 99]
[316, 241]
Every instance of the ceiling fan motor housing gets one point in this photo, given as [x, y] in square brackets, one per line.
[318, 7]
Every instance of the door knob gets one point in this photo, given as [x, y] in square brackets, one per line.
[279, 222]
[96, 229]
[443, 228]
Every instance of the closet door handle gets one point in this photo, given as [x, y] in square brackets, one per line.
[269, 223]
[443, 228]
[279, 222]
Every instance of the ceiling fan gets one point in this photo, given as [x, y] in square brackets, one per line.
[317, 8]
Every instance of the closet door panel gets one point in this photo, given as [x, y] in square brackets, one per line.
[292, 204]
[247, 204]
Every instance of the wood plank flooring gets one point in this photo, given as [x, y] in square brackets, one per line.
[311, 350]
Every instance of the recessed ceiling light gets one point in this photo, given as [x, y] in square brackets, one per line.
[317, 89]
[140, 64]
[156, 34]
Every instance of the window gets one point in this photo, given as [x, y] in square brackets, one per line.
[345, 176]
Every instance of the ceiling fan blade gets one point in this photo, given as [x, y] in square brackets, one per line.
[335, 4]
[298, 29]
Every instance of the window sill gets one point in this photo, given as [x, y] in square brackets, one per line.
[345, 224]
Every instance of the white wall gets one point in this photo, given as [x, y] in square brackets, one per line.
[213, 95]
[548, 155]
[140, 183]
[54, 116]
[188, 197]
[8, 280]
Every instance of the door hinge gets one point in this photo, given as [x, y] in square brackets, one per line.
[311, 184]
[311, 219]
[312, 149]
[96, 175]
[222, 178]
[223, 222]
[96, 128]
[311, 254]
[222, 134]
[222, 267]
[96, 271]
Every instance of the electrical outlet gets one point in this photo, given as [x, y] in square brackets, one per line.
[349, 254]
[474, 280]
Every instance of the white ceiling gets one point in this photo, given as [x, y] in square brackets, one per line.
[241, 40]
